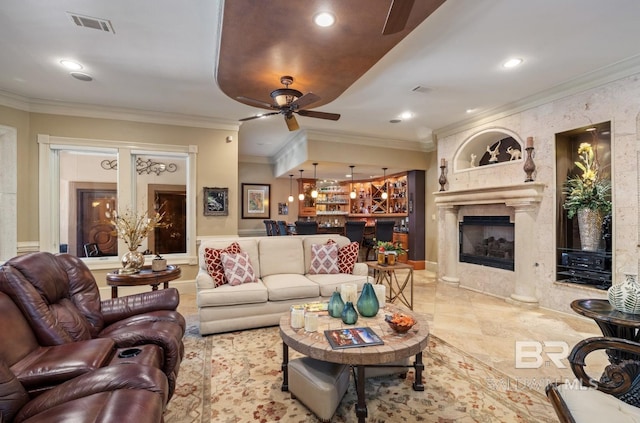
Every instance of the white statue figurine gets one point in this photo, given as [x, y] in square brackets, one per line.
[472, 162]
[494, 153]
[514, 153]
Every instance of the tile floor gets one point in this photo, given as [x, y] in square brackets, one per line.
[488, 328]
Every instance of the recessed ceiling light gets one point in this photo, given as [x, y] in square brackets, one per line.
[406, 115]
[71, 65]
[324, 19]
[471, 110]
[512, 63]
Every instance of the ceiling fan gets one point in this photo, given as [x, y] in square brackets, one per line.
[287, 102]
[397, 17]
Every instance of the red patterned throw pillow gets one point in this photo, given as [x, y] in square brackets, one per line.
[348, 256]
[213, 260]
[237, 268]
[324, 258]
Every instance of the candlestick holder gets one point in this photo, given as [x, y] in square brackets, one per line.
[529, 166]
[443, 178]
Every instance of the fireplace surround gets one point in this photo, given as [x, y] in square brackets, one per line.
[524, 200]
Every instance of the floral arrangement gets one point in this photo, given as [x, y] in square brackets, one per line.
[133, 228]
[588, 190]
[386, 246]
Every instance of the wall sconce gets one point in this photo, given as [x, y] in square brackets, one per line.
[290, 189]
[314, 192]
[384, 185]
[301, 195]
[352, 194]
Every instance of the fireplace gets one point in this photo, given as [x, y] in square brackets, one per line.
[487, 241]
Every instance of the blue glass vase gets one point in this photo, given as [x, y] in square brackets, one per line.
[368, 304]
[349, 314]
[336, 305]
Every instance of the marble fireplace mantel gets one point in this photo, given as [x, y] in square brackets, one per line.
[525, 199]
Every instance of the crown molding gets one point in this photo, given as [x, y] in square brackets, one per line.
[347, 138]
[614, 72]
[103, 112]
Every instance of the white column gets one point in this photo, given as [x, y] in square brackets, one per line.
[525, 247]
[451, 245]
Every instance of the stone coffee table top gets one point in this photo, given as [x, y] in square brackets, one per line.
[396, 346]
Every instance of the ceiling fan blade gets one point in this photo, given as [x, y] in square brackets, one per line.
[305, 100]
[259, 116]
[291, 122]
[320, 115]
[257, 102]
[398, 15]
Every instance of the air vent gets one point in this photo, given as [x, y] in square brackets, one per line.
[90, 22]
[420, 89]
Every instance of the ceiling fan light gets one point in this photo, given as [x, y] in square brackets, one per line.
[284, 96]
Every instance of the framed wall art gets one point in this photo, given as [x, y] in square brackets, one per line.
[255, 201]
[216, 201]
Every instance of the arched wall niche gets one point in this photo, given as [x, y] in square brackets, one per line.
[476, 145]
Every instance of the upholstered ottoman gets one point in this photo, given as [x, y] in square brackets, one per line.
[389, 371]
[318, 385]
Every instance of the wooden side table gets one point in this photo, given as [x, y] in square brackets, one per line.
[386, 275]
[145, 277]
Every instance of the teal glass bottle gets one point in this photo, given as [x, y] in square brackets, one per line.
[349, 314]
[336, 305]
[368, 304]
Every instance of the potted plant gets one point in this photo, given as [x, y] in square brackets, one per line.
[389, 249]
[587, 196]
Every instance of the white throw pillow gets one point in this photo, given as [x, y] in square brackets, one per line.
[324, 259]
[237, 268]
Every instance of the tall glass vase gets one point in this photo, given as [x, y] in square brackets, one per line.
[132, 262]
[590, 226]
[367, 304]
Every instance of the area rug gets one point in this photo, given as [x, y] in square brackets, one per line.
[235, 377]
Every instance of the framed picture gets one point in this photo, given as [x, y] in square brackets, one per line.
[255, 201]
[216, 201]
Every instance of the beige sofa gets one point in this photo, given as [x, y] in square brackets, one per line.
[281, 264]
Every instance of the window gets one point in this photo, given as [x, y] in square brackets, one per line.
[80, 180]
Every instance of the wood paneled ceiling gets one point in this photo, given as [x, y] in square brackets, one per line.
[264, 40]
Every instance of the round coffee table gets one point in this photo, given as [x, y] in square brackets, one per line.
[145, 276]
[396, 347]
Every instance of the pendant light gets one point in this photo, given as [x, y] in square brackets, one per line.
[384, 186]
[301, 195]
[290, 189]
[352, 194]
[314, 193]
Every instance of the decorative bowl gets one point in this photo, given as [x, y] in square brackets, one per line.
[400, 322]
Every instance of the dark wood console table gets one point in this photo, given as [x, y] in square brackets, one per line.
[145, 277]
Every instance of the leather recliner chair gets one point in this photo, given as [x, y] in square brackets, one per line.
[123, 393]
[60, 299]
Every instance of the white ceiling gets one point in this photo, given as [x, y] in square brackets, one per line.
[160, 64]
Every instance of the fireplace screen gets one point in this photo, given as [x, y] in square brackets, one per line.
[487, 241]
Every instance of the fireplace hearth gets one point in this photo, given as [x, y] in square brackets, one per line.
[487, 241]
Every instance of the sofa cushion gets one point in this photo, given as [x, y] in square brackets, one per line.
[324, 259]
[238, 268]
[290, 286]
[12, 394]
[310, 240]
[591, 405]
[348, 256]
[213, 261]
[329, 283]
[281, 254]
[227, 295]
